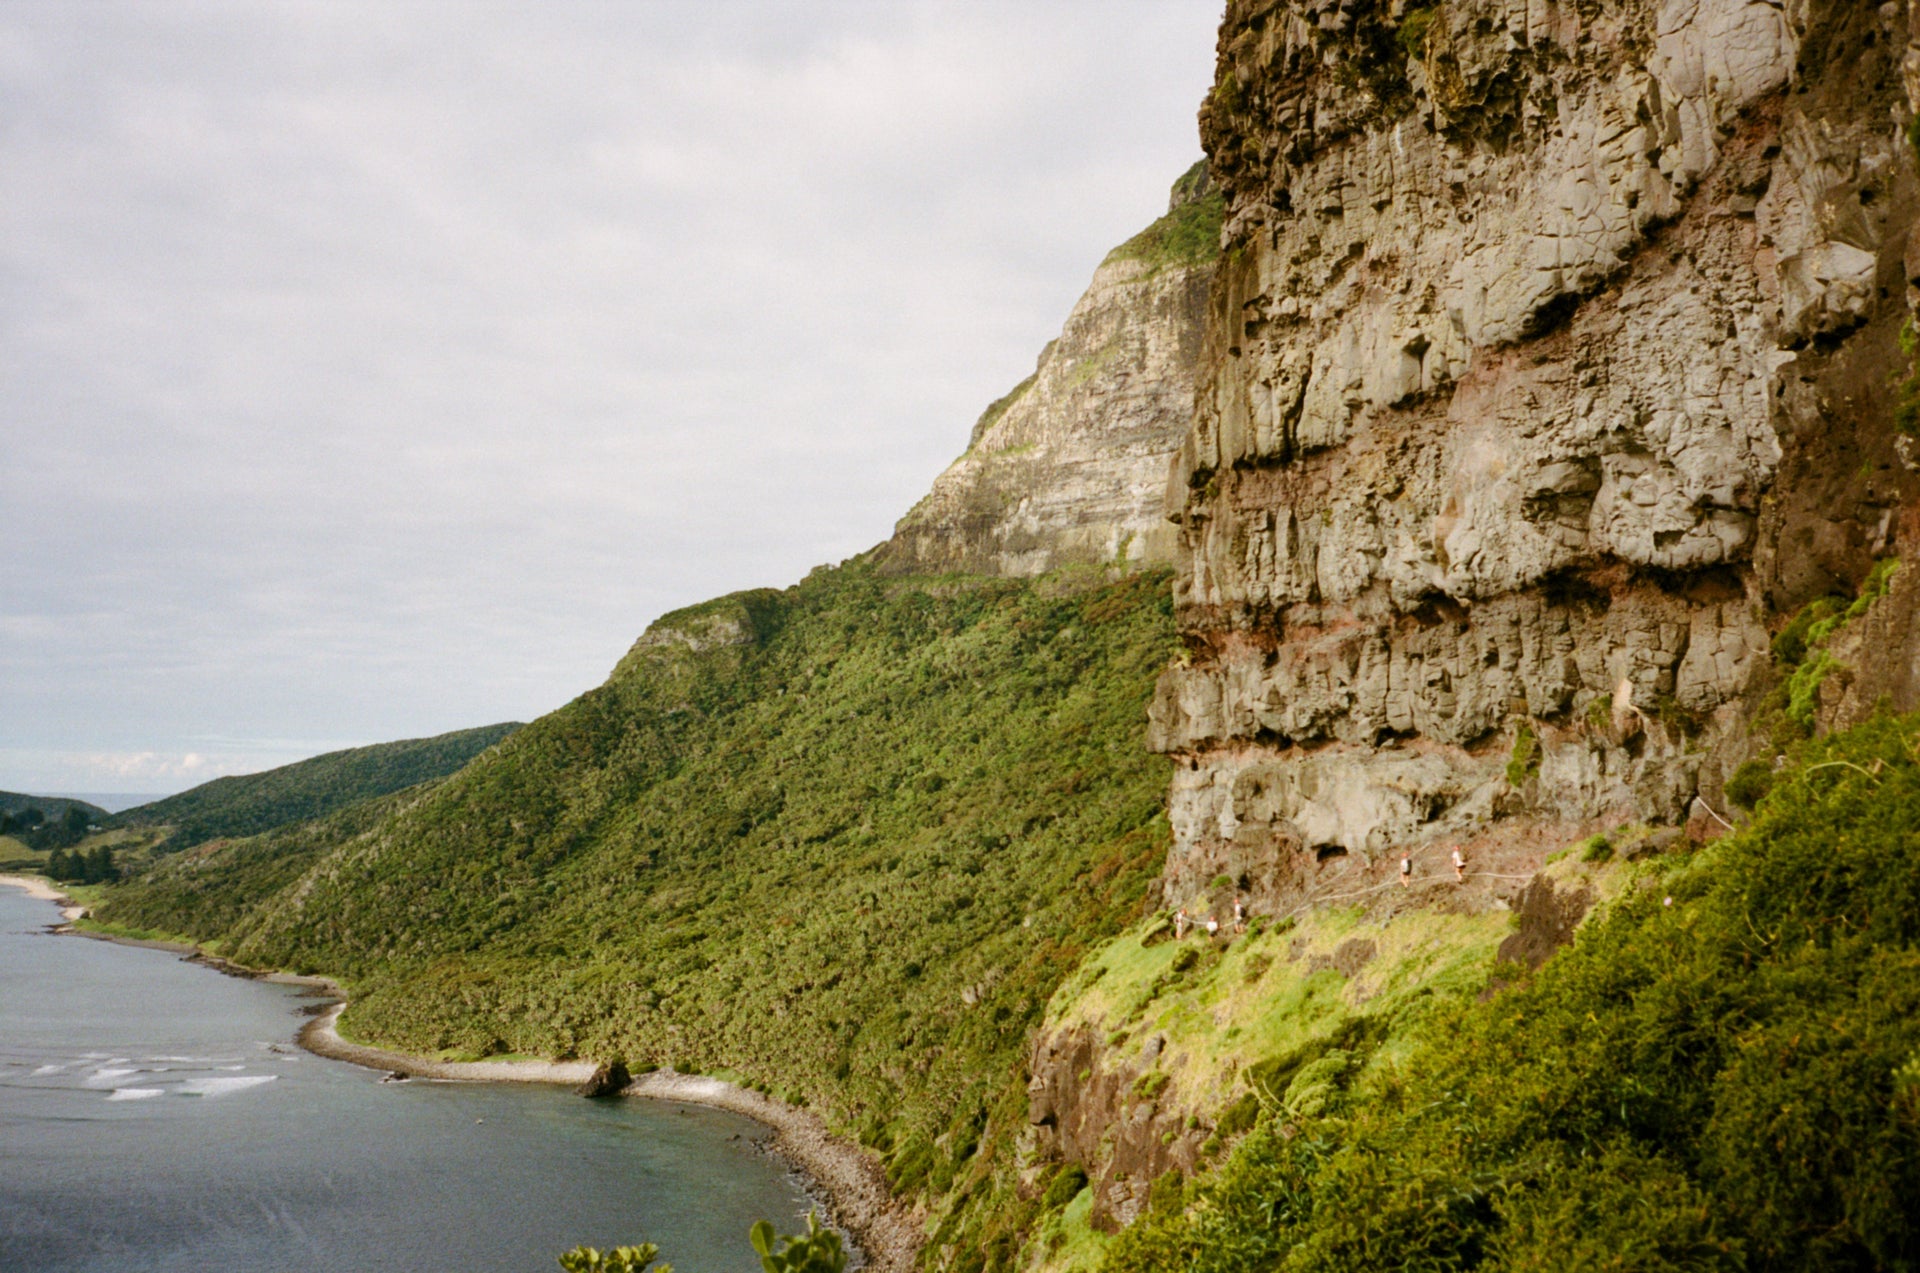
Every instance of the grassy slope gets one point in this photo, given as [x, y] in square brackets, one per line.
[1728, 1081]
[1188, 235]
[253, 803]
[848, 859]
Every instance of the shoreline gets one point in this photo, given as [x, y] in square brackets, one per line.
[46, 891]
[848, 1180]
[851, 1180]
[844, 1176]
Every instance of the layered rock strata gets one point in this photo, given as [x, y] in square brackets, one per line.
[1547, 363]
[1552, 363]
[1069, 468]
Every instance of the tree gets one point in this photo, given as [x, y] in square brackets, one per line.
[624, 1259]
[818, 1250]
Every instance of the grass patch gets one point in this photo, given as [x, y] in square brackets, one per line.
[1186, 237]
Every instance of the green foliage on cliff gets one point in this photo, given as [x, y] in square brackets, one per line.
[1188, 235]
[209, 891]
[252, 803]
[1800, 650]
[1729, 1079]
[840, 842]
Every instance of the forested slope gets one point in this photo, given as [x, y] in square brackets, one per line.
[841, 841]
[248, 804]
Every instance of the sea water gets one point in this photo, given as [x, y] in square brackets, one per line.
[156, 1117]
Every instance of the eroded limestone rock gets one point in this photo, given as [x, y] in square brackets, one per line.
[1524, 304]
[1070, 468]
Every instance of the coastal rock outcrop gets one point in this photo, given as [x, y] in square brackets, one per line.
[1552, 364]
[1069, 467]
[1542, 334]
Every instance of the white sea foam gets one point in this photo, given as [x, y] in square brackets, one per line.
[109, 1074]
[47, 1069]
[134, 1093]
[220, 1087]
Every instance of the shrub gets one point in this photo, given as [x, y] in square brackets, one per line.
[1729, 1082]
[1064, 1187]
[1749, 784]
[1524, 763]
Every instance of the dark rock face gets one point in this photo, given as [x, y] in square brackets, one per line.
[1108, 1119]
[610, 1078]
[1547, 920]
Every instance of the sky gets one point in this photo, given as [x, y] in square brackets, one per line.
[369, 371]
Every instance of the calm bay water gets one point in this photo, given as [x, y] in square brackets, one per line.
[155, 1117]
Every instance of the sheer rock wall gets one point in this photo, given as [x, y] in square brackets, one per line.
[1549, 361]
[1552, 362]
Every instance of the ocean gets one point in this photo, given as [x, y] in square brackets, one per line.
[156, 1117]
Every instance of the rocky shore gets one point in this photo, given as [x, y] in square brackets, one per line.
[849, 1179]
[861, 1202]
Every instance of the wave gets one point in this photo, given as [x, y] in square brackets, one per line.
[222, 1086]
[134, 1093]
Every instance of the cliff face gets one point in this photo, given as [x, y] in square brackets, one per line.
[1070, 467]
[1548, 364]
[1551, 365]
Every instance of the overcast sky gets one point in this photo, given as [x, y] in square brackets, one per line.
[370, 371]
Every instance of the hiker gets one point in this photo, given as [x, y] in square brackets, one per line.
[1406, 870]
[1213, 926]
[1239, 916]
[1459, 864]
[1180, 924]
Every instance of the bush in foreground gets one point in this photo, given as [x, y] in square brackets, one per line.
[1722, 1073]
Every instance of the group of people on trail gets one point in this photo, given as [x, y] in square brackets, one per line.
[1406, 866]
[1182, 921]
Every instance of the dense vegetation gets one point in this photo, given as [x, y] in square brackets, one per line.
[50, 824]
[93, 865]
[840, 842]
[249, 804]
[47, 808]
[1722, 1073]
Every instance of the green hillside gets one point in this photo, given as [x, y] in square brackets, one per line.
[50, 808]
[1722, 1073]
[33, 826]
[841, 842]
[249, 804]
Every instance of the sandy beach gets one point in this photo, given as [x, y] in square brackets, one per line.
[46, 891]
[321, 1037]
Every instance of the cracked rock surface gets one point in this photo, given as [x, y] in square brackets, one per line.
[1542, 331]
[1550, 366]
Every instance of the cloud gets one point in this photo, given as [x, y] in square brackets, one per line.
[368, 373]
[138, 771]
